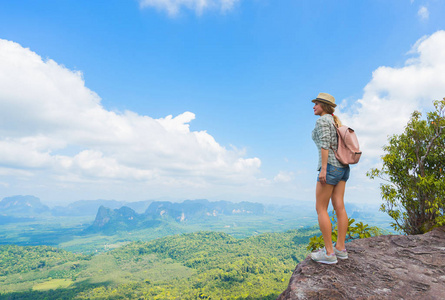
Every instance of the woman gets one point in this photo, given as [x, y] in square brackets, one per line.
[331, 181]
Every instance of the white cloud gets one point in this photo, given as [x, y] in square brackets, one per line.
[53, 127]
[284, 176]
[394, 93]
[173, 7]
[423, 13]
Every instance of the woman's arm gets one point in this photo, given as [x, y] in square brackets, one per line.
[324, 165]
[323, 127]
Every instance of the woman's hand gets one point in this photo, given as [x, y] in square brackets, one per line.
[322, 176]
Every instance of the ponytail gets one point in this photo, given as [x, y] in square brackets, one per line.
[330, 110]
[337, 121]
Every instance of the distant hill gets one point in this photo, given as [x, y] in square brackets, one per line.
[85, 207]
[22, 206]
[27, 208]
[109, 220]
[90, 207]
[190, 209]
[112, 220]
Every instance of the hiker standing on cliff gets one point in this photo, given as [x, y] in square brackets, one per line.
[331, 181]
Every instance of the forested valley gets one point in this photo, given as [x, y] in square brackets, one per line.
[200, 265]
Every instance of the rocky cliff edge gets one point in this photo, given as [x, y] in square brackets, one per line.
[382, 267]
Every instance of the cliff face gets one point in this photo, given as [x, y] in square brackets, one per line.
[111, 220]
[383, 267]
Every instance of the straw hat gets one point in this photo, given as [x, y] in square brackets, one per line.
[325, 98]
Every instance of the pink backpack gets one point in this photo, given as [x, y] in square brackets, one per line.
[348, 151]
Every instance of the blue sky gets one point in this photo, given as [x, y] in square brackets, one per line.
[87, 88]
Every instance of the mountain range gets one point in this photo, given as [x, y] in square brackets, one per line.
[112, 215]
[122, 215]
[29, 207]
[22, 206]
[124, 218]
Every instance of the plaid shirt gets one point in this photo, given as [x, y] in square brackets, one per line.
[325, 136]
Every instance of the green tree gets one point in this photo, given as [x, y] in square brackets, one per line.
[413, 167]
[355, 231]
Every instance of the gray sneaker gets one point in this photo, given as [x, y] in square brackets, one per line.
[342, 254]
[320, 256]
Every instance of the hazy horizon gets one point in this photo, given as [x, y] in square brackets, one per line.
[283, 203]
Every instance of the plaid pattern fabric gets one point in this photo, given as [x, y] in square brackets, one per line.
[325, 136]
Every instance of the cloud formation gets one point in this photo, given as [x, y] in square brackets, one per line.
[394, 93]
[284, 176]
[52, 125]
[423, 13]
[173, 7]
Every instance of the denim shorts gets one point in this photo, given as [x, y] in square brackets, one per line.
[335, 174]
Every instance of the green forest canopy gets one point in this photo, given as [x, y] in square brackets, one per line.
[200, 265]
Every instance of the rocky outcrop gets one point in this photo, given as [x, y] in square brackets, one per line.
[109, 221]
[383, 267]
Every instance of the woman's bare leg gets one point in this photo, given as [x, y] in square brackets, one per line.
[323, 194]
[338, 195]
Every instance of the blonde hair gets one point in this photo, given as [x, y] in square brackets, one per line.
[330, 110]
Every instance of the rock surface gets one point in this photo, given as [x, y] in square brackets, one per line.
[383, 267]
